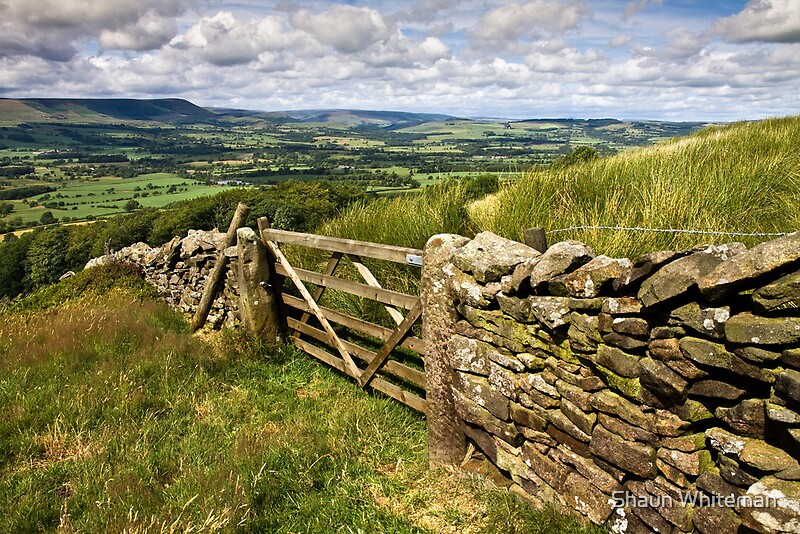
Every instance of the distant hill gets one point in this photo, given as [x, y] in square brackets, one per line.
[101, 110]
[344, 118]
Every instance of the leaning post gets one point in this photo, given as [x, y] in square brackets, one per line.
[258, 302]
[218, 274]
[536, 238]
[446, 439]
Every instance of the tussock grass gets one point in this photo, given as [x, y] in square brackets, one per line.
[113, 418]
[742, 177]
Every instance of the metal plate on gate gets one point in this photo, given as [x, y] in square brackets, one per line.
[414, 259]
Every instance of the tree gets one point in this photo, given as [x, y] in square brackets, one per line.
[131, 205]
[48, 218]
[47, 256]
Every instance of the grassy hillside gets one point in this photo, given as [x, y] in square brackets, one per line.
[742, 177]
[113, 418]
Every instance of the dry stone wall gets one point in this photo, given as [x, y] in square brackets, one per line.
[179, 269]
[621, 388]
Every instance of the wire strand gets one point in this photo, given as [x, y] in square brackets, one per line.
[666, 230]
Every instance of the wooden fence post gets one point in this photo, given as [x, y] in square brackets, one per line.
[536, 239]
[218, 274]
[446, 440]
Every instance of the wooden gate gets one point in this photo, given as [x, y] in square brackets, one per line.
[311, 325]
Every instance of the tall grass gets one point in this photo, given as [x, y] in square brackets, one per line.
[742, 177]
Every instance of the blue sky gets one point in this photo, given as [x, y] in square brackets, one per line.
[648, 59]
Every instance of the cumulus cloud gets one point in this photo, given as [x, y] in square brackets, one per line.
[620, 40]
[776, 21]
[56, 29]
[511, 22]
[346, 28]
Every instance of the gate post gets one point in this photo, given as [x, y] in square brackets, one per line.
[258, 305]
[446, 439]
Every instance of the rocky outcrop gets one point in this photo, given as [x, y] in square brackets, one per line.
[659, 394]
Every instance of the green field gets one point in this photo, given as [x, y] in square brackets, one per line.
[102, 197]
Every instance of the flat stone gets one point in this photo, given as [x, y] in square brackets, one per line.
[527, 417]
[552, 472]
[645, 265]
[576, 395]
[531, 361]
[549, 311]
[733, 473]
[669, 351]
[626, 430]
[473, 413]
[715, 389]
[583, 420]
[748, 418]
[715, 355]
[756, 354]
[667, 332]
[536, 383]
[629, 387]
[609, 402]
[787, 385]
[583, 331]
[708, 321]
[760, 260]
[519, 279]
[691, 463]
[678, 514]
[620, 362]
[489, 256]
[560, 258]
[586, 305]
[632, 326]
[630, 456]
[712, 483]
[623, 341]
[534, 399]
[661, 380]
[466, 288]
[564, 439]
[673, 474]
[748, 328]
[752, 452]
[781, 294]
[588, 280]
[583, 496]
[791, 357]
[560, 420]
[478, 390]
[782, 414]
[502, 380]
[465, 355]
[679, 276]
[716, 520]
[490, 290]
[622, 306]
[783, 513]
[586, 467]
[686, 443]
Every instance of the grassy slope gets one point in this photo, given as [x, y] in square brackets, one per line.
[743, 177]
[114, 418]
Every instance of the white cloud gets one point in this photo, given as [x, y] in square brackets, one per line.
[346, 28]
[776, 21]
[151, 31]
[620, 40]
[513, 21]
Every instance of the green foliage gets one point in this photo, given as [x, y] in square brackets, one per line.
[94, 282]
[47, 256]
[48, 218]
[582, 154]
[14, 274]
[6, 208]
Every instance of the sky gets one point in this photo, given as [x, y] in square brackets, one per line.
[640, 59]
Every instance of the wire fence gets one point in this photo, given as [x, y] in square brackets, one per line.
[667, 230]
